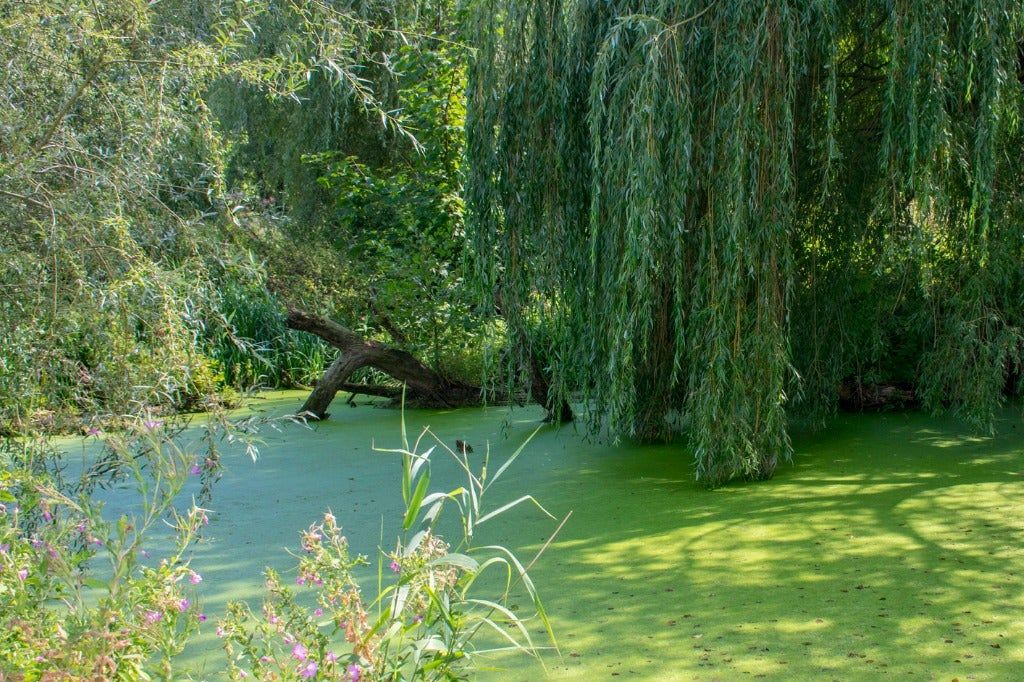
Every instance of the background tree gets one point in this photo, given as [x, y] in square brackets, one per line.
[380, 203]
[145, 254]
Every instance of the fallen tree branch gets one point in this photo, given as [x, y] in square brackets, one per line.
[392, 392]
[424, 385]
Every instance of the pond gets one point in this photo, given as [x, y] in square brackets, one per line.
[894, 543]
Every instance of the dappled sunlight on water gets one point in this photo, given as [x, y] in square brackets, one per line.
[892, 544]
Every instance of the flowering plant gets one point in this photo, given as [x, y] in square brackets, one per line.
[426, 619]
[57, 619]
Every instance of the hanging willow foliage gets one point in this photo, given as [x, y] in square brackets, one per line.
[709, 213]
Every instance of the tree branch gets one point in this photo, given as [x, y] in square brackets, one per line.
[425, 385]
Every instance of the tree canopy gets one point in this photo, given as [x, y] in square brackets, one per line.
[161, 164]
[702, 217]
[715, 213]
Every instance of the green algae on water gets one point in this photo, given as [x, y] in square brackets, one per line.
[893, 545]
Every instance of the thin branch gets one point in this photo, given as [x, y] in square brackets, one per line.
[27, 199]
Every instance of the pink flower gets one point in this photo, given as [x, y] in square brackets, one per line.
[273, 619]
[395, 567]
[23, 575]
[310, 541]
[332, 657]
[4, 548]
[152, 424]
[201, 617]
[355, 672]
[195, 578]
[220, 631]
[299, 652]
[183, 605]
[300, 580]
[308, 670]
[81, 526]
[93, 431]
[195, 470]
[47, 516]
[318, 612]
[153, 616]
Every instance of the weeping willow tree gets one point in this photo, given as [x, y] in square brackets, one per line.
[710, 215]
[384, 94]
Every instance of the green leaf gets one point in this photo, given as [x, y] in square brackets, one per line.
[504, 508]
[513, 457]
[413, 510]
[462, 561]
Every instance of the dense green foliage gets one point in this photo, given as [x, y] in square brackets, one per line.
[722, 211]
[379, 194]
[695, 218]
[159, 166]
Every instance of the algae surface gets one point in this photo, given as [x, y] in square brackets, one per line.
[894, 544]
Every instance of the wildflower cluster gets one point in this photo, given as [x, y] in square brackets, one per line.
[423, 621]
[293, 637]
[56, 616]
[335, 638]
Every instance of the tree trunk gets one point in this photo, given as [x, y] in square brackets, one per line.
[330, 383]
[424, 385]
[540, 391]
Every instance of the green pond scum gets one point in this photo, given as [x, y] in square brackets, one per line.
[893, 545]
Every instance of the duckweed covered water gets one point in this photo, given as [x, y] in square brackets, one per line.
[893, 545]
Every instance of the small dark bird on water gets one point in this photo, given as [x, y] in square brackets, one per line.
[463, 447]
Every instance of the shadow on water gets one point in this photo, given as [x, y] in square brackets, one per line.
[893, 544]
